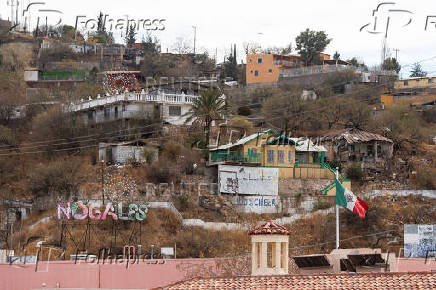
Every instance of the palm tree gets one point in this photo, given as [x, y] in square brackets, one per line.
[206, 108]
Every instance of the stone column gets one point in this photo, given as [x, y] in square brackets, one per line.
[254, 258]
[263, 256]
[285, 266]
[278, 255]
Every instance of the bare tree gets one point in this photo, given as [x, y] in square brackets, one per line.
[181, 46]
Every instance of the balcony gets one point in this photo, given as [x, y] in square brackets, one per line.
[234, 156]
[132, 97]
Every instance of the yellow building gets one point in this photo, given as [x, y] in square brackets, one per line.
[263, 148]
[416, 83]
[390, 100]
[295, 158]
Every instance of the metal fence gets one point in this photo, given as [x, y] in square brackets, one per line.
[235, 156]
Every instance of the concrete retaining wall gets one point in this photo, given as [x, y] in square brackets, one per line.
[384, 192]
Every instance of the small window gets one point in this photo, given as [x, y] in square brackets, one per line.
[270, 156]
[406, 83]
[91, 115]
[116, 112]
[251, 72]
[291, 156]
[259, 60]
[430, 81]
[256, 73]
[281, 156]
[270, 71]
[107, 113]
[175, 110]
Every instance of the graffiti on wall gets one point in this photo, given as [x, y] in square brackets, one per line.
[257, 204]
[248, 180]
[419, 241]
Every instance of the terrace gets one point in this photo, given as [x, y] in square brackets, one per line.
[135, 97]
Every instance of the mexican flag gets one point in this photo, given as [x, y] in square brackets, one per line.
[347, 199]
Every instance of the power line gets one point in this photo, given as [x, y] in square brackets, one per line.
[85, 140]
[81, 137]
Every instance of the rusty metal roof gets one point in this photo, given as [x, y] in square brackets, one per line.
[352, 136]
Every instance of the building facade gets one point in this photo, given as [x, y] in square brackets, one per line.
[170, 108]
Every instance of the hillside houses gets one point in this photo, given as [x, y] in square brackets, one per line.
[372, 150]
[170, 108]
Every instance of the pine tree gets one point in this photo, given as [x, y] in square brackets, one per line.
[417, 71]
[131, 36]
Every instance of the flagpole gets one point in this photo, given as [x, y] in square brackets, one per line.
[337, 214]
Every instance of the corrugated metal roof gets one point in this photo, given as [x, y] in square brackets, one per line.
[305, 145]
[352, 136]
[242, 141]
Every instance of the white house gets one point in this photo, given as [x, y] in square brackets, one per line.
[171, 108]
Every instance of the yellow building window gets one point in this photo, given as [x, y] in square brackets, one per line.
[281, 156]
[270, 155]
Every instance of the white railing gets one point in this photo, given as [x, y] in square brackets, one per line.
[133, 97]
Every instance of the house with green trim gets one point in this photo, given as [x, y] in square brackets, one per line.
[294, 158]
[260, 149]
[268, 148]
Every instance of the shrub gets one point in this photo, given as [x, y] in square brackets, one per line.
[62, 177]
[159, 172]
[244, 111]
[335, 164]
[196, 140]
[171, 151]
[7, 137]
[355, 172]
[426, 177]
[321, 204]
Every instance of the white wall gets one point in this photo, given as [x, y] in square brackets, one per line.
[31, 76]
[248, 180]
[121, 154]
[176, 120]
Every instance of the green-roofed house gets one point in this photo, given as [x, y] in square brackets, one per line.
[265, 148]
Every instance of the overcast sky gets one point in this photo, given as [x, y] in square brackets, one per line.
[272, 23]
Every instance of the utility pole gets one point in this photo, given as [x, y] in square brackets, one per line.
[16, 13]
[337, 213]
[396, 53]
[195, 36]
[11, 3]
[102, 180]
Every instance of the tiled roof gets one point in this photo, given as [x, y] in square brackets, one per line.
[365, 281]
[270, 228]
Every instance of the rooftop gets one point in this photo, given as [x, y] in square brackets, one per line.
[352, 136]
[242, 141]
[365, 281]
[270, 228]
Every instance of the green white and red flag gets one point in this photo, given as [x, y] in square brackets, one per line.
[347, 199]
